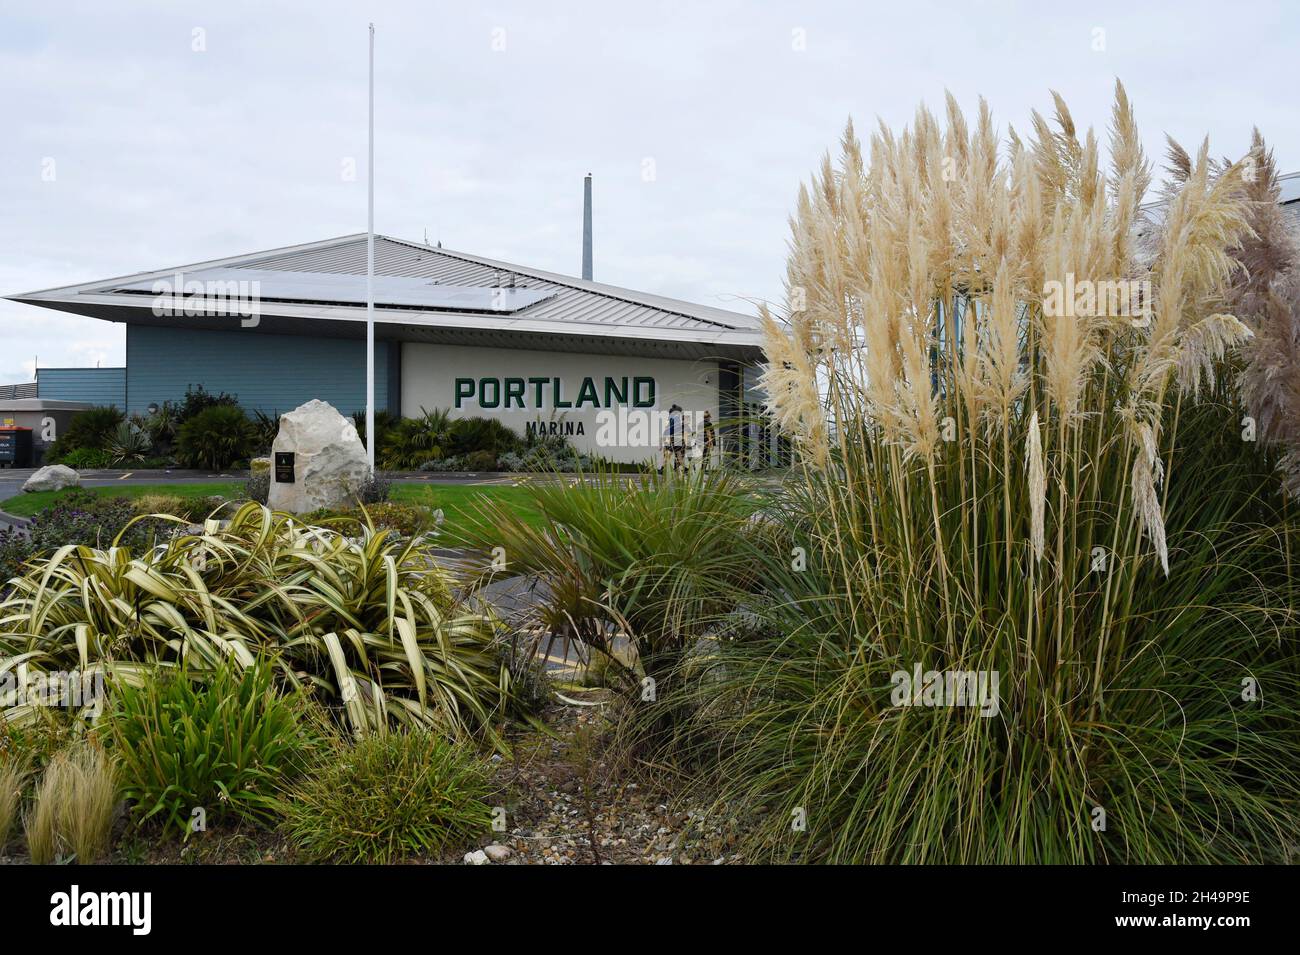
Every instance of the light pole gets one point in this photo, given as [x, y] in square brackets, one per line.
[370, 271]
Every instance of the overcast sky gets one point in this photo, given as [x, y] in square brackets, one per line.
[139, 135]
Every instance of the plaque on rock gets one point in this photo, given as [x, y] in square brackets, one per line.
[284, 467]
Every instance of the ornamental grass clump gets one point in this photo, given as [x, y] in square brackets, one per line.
[363, 620]
[199, 749]
[1019, 463]
[71, 818]
[390, 796]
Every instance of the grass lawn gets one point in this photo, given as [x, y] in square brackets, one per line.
[25, 505]
[456, 500]
[458, 507]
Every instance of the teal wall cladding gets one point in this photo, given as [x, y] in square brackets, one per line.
[269, 373]
[98, 386]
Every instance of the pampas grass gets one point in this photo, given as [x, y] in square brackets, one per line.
[998, 470]
[1266, 294]
[72, 816]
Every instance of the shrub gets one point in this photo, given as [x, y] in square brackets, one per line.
[161, 425]
[72, 816]
[389, 796]
[89, 429]
[258, 487]
[385, 421]
[15, 550]
[83, 459]
[369, 621]
[481, 461]
[409, 520]
[77, 516]
[222, 741]
[413, 441]
[128, 444]
[265, 428]
[549, 456]
[197, 401]
[647, 556]
[442, 465]
[375, 490]
[215, 438]
[191, 509]
[80, 516]
[976, 493]
[467, 436]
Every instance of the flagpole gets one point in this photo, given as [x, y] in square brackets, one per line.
[370, 271]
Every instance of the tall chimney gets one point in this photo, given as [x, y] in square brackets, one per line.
[586, 228]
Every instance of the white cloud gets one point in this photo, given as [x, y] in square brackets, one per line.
[166, 156]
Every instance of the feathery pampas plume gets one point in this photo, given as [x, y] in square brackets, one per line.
[939, 292]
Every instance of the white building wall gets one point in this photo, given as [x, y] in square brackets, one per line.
[615, 430]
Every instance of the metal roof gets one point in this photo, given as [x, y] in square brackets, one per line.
[429, 294]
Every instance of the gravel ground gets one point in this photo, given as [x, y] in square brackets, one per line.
[568, 806]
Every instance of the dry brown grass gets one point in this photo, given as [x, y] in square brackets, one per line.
[72, 816]
[12, 777]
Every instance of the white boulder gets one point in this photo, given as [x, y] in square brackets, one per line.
[477, 857]
[329, 459]
[52, 477]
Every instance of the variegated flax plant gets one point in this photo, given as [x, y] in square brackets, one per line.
[361, 618]
[1019, 454]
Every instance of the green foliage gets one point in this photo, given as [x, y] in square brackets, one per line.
[78, 516]
[265, 428]
[390, 796]
[86, 430]
[385, 421]
[481, 461]
[659, 557]
[82, 459]
[197, 401]
[128, 444]
[223, 741]
[468, 436]
[366, 620]
[412, 441]
[408, 520]
[215, 438]
[1145, 718]
[407, 444]
[258, 487]
[188, 508]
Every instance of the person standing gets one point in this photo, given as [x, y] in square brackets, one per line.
[675, 435]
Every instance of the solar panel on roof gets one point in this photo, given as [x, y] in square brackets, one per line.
[1289, 187]
[344, 289]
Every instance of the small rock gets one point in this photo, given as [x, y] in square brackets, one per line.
[477, 857]
[497, 853]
